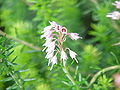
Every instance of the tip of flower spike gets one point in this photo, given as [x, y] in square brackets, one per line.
[50, 22]
[53, 23]
[74, 36]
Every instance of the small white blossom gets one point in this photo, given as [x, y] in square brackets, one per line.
[47, 43]
[53, 24]
[49, 55]
[73, 55]
[51, 44]
[53, 61]
[74, 36]
[47, 34]
[117, 4]
[46, 29]
[114, 15]
[63, 56]
[50, 49]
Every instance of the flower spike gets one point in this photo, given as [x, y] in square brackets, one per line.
[55, 35]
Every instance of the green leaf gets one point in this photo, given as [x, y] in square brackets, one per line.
[8, 54]
[29, 79]
[23, 70]
[7, 79]
[13, 59]
[13, 87]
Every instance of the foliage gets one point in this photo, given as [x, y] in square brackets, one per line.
[90, 59]
[103, 83]
[9, 75]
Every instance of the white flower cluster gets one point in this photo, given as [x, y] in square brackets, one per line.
[55, 35]
[115, 15]
[117, 4]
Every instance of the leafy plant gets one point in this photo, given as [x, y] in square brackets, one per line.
[103, 83]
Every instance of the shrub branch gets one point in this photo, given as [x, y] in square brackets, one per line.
[20, 41]
[102, 71]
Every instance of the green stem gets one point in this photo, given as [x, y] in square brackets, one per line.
[15, 80]
[102, 71]
[68, 75]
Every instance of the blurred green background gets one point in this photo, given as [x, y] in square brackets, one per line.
[25, 19]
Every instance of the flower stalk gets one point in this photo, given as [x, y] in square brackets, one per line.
[102, 71]
[68, 75]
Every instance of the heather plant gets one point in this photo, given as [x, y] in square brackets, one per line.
[55, 35]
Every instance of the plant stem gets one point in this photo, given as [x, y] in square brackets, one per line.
[60, 44]
[102, 71]
[68, 75]
[15, 80]
[20, 41]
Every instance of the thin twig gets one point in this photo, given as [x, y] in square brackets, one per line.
[94, 1]
[20, 41]
[27, 3]
[116, 26]
[102, 71]
[116, 44]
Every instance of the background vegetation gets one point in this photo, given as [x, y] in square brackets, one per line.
[22, 64]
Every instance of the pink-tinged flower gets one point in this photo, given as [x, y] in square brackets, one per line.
[117, 4]
[73, 55]
[50, 48]
[53, 24]
[74, 36]
[58, 28]
[46, 29]
[49, 55]
[47, 32]
[114, 15]
[63, 56]
[53, 61]
[64, 30]
[47, 43]
[50, 44]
